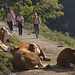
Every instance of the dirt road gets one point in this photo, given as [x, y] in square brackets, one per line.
[51, 51]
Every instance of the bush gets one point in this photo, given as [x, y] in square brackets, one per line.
[53, 35]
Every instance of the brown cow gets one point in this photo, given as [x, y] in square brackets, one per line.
[28, 45]
[4, 34]
[25, 59]
[31, 47]
[66, 58]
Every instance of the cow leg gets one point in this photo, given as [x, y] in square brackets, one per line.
[42, 53]
[38, 50]
[72, 65]
[3, 46]
[40, 65]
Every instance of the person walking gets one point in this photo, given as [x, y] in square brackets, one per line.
[11, 20]
[36, 21]
[8, 12]
[20, 21]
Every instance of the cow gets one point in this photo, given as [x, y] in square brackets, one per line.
[25, 59]
[28, 45]
[31, 47]
[4, 34]
[6, 48]
[66, 58]
[3, 46]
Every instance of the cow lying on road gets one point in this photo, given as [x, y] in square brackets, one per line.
[31, 47]
[66, 58]
[27, 45]
[23, 58]
[4, 34]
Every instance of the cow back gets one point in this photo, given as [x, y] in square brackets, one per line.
[66, 55]
[25, 59]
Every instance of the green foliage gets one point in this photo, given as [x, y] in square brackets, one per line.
[5, 59]
[53, 35]
[13, 41]
[46, 9]
[5, 62]
[28, 26]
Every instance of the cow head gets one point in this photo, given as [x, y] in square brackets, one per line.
[4, 34]
[14, 50]
[34, 48]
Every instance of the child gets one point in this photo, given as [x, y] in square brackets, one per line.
[20, 21]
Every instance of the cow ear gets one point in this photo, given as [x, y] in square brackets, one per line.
[17, 47]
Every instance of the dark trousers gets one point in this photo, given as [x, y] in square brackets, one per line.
[10, 26]
[36, 29]
[20, 29]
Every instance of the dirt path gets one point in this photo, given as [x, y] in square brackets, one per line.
[50, 49]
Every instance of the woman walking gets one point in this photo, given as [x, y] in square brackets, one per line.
[11, 20]
[20, 21]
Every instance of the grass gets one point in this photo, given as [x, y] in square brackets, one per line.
[5, 63]
[5, 59]
[53, 35]
[12, 41]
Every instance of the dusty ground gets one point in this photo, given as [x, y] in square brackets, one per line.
[51, 51]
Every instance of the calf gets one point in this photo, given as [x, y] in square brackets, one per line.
[4, 34]
[66, 58]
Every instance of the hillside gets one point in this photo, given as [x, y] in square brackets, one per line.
[51, 51]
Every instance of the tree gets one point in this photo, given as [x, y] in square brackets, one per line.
[46, 9]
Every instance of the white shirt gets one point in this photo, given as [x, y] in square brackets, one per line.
[20, 18]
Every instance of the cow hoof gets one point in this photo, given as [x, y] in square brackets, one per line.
[46, 59]
[48, 67]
